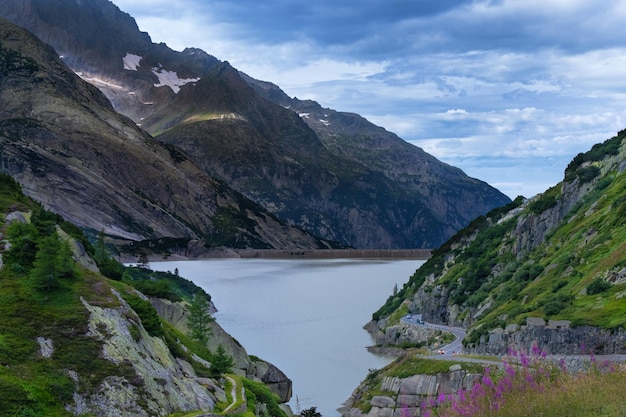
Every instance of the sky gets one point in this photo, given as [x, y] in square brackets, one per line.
[507, 90]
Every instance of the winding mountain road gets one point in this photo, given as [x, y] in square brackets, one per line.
[451, 348]
[456, 346]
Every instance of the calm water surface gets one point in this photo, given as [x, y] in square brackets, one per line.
[304, 316]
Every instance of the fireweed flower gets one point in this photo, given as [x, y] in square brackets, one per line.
[405, 411]
[535, 350]
[524, 360]
[510, 371]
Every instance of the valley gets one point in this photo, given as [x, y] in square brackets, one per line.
[115, 149]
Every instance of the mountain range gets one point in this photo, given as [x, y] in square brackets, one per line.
[332, 174]
[70, 150]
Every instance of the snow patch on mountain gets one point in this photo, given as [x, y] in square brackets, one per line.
[171, 79]
[131, 61]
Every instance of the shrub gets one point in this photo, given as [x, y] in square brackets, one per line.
[263, 395]
[148, 315]
[597, 286]
[586, 174]
[13, 398]
[542, 204]
[555, 303]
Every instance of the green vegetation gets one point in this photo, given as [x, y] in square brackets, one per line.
[199, 320]
[574, 272]
[409, 365]
[566, 276]
[166, 285]
[256, 393]
[537, 387]
[310, 412]
[221, 363]
[147, 314]
[596, 153]
[41, 293]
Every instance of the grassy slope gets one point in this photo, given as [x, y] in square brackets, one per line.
[34, 385]
[555, 280]
[479, 264]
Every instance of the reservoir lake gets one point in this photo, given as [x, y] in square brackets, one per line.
[304, 316]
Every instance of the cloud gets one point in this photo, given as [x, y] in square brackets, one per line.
[470, 81]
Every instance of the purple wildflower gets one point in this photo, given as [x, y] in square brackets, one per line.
[405, 411]
[524, 360]
[535, 350]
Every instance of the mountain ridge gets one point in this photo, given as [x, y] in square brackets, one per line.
[359, 194]
[63, 141]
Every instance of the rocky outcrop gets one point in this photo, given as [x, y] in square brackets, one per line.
[403, 335]
[553, 337]
[159, 384]
[257, 369]
[402, 397]
[274, 378]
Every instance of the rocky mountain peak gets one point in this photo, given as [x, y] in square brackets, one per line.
[333, 174]
[61, 139]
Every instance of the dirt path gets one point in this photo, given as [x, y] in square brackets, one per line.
[233, 394]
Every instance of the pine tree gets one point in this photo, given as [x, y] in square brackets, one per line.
[23, 239]
[199, 320]
[222, 363]
[46, 268]
[310, 412]
[65, 260]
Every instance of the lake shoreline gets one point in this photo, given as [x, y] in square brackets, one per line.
[225, 253]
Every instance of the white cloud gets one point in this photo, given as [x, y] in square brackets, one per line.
[521, 80]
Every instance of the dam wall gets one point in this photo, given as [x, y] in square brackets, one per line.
[420, 254]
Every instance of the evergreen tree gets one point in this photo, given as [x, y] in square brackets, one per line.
[46, 268]
[65, 260]
[108, 266]
[222, 363]
[23, 240]
[199, 320]
[310, 412]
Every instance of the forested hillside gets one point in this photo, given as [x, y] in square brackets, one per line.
[557, 259]
[76, 342]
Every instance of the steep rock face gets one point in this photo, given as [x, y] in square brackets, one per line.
[257, 369]
[166, 384]
[60, 138]
[402, 397]
[553, 337]
[333, 174]
[367, 188]
[106, 51]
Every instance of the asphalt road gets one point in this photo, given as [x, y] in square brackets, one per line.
[448, 350]
[456, 347]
